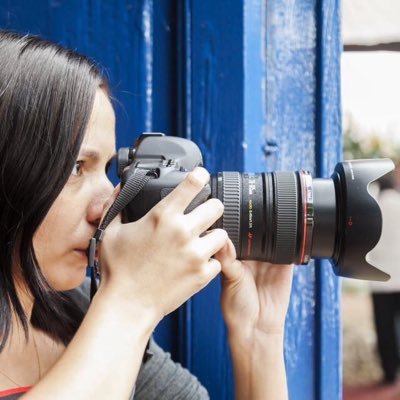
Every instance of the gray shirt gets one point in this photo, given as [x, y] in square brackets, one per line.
[159, 378]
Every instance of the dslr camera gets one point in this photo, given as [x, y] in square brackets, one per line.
[282, 216]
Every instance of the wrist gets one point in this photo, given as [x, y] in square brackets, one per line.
[244, 333]
[271, 340]
[259, 365]
[126, 308]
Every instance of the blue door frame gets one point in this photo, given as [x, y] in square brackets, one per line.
[256, 83]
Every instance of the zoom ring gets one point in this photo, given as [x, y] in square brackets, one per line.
[286, 217]
[231, 191]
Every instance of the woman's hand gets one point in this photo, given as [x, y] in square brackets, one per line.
[255, 298]
[255, 294]
[160, 260]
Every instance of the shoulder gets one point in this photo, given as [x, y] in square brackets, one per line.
[160, 377]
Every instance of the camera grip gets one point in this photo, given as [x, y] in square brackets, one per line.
[203, 196]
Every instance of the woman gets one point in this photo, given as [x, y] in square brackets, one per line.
[57, 130]
[386, 295]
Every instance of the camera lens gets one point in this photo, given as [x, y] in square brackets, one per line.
[268, 216]
[288, 217]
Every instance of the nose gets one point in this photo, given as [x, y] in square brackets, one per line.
[101, 193]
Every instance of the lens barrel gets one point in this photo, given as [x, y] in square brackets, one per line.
[268, 216]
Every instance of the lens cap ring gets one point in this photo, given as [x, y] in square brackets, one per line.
[231, 189]
[286, 202]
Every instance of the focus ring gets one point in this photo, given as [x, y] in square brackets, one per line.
[231, 197]
[286, 217]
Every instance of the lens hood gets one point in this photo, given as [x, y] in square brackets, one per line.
[359, 218]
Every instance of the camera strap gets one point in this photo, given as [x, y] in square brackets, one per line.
[129, 191]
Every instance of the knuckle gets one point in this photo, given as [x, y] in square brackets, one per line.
[180, 231]
[156, 216]
[208, 270]
[196, 259]
[216, 266]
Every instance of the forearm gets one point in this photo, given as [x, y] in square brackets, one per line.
[103, 359]
[259, 367]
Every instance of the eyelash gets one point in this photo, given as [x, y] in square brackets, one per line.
[78, 168]
[79, 165]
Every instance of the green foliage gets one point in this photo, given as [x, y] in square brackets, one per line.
[373, 146]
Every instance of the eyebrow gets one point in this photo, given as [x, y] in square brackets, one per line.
[94, 155]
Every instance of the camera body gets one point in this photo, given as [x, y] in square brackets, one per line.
[169, 160]
[281, 216]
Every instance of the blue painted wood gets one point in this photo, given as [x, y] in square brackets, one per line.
[303, 118]
[115, 34]
[277, 110]
[329, 151]
[217, 115]
[256, 84]
[290, 105]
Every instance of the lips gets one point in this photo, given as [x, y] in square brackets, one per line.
[83, 247]
[84, 252]
[81, 252]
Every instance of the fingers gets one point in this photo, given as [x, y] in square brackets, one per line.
[232, 269]
[281, 273]
[214, 268]
[205, 215]
[227, 254]
[212, 242]
[186, 191]
[206, 273]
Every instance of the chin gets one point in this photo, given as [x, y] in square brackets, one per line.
[69, 281]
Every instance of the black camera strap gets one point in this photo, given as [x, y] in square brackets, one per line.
[131, 188]
[129, 191]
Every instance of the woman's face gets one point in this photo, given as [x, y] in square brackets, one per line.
[61, 241]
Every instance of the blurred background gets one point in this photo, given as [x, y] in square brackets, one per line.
[371, 128]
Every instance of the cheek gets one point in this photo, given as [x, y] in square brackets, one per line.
[46, 244]
[62, 268]
[47, 237]
[48, 250]
[52, 241]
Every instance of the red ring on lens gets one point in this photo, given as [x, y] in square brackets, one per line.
[303, 247]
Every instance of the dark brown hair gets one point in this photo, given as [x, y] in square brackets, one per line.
[46, 97]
